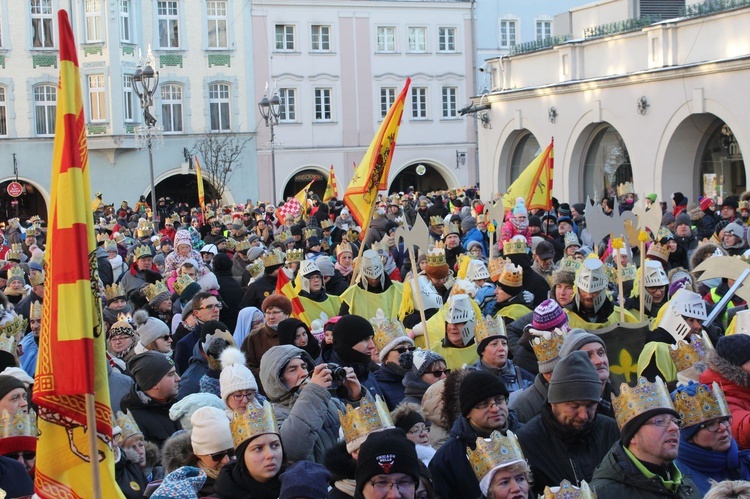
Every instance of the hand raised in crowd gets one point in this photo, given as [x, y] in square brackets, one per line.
[352, 384]
[321, 376]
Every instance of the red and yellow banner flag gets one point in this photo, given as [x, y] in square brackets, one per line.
[72, 355]
[284, 287]
[199, 177]
[301, 198]
[535, 182]
[332, 188]
[372, 173]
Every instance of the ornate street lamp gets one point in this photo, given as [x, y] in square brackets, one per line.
[270, 109]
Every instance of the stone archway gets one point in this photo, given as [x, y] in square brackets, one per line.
[33, 201]
[183, 188]
[303, 176]
[604, 159]
[433, 178]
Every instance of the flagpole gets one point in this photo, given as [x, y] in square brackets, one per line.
[420, 304]
[357, 266]
[96, 481]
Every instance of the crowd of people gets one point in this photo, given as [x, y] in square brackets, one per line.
[256, 351]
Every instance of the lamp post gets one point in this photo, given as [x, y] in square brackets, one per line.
[269, 109]
[145, 81]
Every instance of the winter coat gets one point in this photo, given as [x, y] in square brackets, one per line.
[364, 375]
[414, 388]
[736, 385]
[556, 453]
[14, 479]
[185, 348]
[519, 343]
[706, 226]
[190, 379]
[376, 230]
[130, 478]
[258, 342]
[432, 405]
[119, 386]
[258, 291]
[703, 465]
[235, 482]
[530, 401]
[308, 418]
[336, 285]
[452, 474]
[479, 236]
[231, 296]
[390, 379]
[617, 476]
[513, 377]
[151, 416]
[182, 483]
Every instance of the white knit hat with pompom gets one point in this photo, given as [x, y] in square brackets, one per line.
[235, 376]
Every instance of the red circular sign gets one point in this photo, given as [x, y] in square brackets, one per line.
[15, 189]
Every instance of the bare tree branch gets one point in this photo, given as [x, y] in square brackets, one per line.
[220, 156]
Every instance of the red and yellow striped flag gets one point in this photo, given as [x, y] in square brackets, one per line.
[72, 355]
[332, 188]
[301, 198]
[372, 173]
[199, 177]
[284, 287]
[535, 182]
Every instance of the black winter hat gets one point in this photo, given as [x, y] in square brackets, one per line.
[348, 331]
[148, 368]
[383, 453]
[574, 378]
[734, 348]
[478, 386]
[8, 384]
[679, 199]
[222, 262]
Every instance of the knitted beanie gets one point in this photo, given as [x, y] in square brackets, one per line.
[235, 376]
[148, 368]
[405, 420]
[182, 411]
[574, 378]
[386, 452]
[9, 383]
[182, 236]
[706, 203]
[419, 360]
[549, 315]
[734, 348]
[279, 301]
[652, 197]
[679, 199]
[576, 338]
[477, 386]
[348, 331]
[305, 479]
[211, 432]
[393, 344]
[149, 329]
[325, 265]
[683, 218]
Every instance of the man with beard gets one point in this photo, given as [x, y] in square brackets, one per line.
[312, 293]
[453, 249]
[568, 440]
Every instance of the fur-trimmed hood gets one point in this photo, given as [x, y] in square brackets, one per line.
[177, 452]
[695, 213]
[701, 252]
[728, 371]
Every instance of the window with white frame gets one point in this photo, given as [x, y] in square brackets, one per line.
[446, 39]
[288, 104]
[386, 39]
[45, 107]
[285, 37]
[508, 29]
[543, 29]
[171, 108]
[216, 12]
[218, 104]
[419, 103]
[417, 39]
[387, 98]
[320, 38]
[450, 109]
[169, 24]
[97, 98]
[94, 21]
[42, 35]
[126, 29]
[323, 108]
[3, 113]
[129, 102]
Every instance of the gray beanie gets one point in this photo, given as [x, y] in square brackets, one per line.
[325, 265]
[254, 253]
[576, 338]
[574, 378]
[148, 368]
[149, 329]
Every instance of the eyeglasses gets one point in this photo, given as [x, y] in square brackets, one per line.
[217, 306]
[238, 396]
[418, 429]
[665, 421]
[497, 401]
[716, 423]
[120, 338]
[384, 486]
[219, 456]
[273, 312]
[401, 350]
[439, 372]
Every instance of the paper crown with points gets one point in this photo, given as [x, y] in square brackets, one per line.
[143, 251]
[112, 291]
[284, 236]
[436, 257]
[15, 253]
[571, 239]
[231, 244]
[512, 276]
[570, 264]
[18, 431]
[515, 246]
[344, 247]
[156, 289]
[496, 268]
[436, 220]
[33, 231]
[659, 251]
[37, 279]
[144, 229]
[35, 311]
[357, 423]
[110, 245]
[182, 282]
[387, 330]
[547, 345]
[16, 273]
[311, 232]
[275, 257]
[686, 354]
[705, 405]
[256, 421]
[451, 228]
[128, 426]
[644, 396]
[497, 450]
[326, 224]
[255, 268]
[567, 490]
[242, 245]
[295, 255]
[489, 327]
[625, 188]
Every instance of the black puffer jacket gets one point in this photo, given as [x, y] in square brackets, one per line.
[151, 416]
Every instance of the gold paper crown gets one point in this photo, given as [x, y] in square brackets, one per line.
[625, 188]
[705, 405]
[569, 263]
[231, 244]
[571, 239]
[659, 251]
[515, 247]
[295, 255]
[35, 311]
[256, 268]
[20, 424]
[645, 396]
[380, 246]
[498, 450]
[256, 421]
[110, 245]
[242, 245]
[496, 268]
[156, 289]
[17, 273]
[451, 228]
[182, 283]
[326, 224]
[684, 355]
[488, 327]
[311, 232]
[743, 205]
[16, 251]
[8, 332]
[436, 257]
[344, 247]
[32, 231]
[284, 236]
[102, 237]
[436, 220]
[144, 228]
[365, 419]
[37, 279]
[143, 251]
[546, 349]
[275, 257]
[386, 331]
[113, 291]
[128, 425]
[567, 490]
[512, 276]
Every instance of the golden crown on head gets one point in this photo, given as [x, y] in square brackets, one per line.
[35, 311]
[242, 245]
[32, 231]
[644, 396]
[284, 236]
[182, 283]
[102, 237]
[498, 450]
[512, 276]
[436, 257]
[684, 355]
[625, 188]
[311, 232]
[16, 273]
[127, 424]
[295, 255]
[255, 268]
[231, 244]
[386, 331]
[15, 253]
[705, 405]
[344, 247]
[659, 251]
[10, 330]
[110, 245]
[515, 247]
[368, 417]
[37, 279]
[451, 228]
[142, 251]
[113, 291]
[275, 257]
[155, 289]
[488, 327]
[569, 263]
[547, 346]
[20, 424]
[325, 224]
[380, 246]
[567, 490]
[496, 268]
[256, 421]
[145, 228]
[436, 220]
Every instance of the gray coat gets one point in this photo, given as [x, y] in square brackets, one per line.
[529, 402]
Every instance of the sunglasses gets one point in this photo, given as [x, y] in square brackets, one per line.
[401, 350]
[27, 456]
[439, 372]
[219, 456]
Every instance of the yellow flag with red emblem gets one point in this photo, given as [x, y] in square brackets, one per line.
[332, 188]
